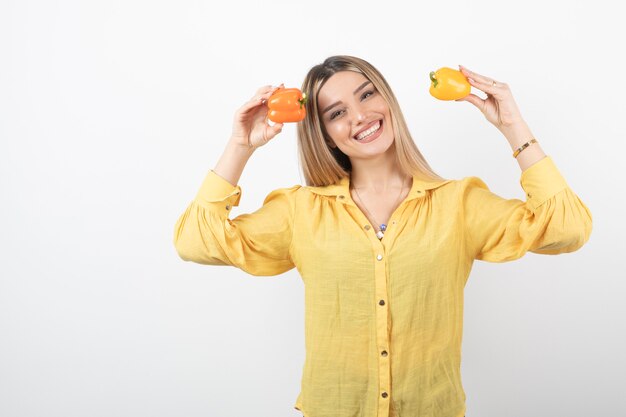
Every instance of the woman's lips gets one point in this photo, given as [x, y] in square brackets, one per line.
[374, 135]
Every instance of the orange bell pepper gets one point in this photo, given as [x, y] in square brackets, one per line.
[448, 84]
[287, 105]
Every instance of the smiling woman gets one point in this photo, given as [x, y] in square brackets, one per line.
[345, 90]
[384, 245]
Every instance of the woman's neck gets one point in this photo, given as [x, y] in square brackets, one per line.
[377, 177]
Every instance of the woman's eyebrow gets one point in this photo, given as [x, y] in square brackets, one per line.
[339, 102]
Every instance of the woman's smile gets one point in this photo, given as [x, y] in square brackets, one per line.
[371, 133]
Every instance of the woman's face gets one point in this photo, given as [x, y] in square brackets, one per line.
[355, 115]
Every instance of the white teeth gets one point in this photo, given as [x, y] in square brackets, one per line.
[368, 132]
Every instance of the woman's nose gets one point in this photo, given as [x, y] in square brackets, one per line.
[359, 115]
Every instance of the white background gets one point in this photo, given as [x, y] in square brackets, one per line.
[112, 112]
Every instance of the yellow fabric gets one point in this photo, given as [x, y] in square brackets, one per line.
[383, 318]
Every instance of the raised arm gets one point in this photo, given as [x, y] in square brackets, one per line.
[250, 131]
[257, 243]
[552, 220]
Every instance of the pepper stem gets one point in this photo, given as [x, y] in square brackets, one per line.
[434, 79]
[303, 100]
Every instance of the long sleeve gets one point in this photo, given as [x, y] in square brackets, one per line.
[257, 243]
[552, 220]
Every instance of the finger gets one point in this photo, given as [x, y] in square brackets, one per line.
[475, 76]
[257, 100]
[475, 100]
[263, 89]
[488, 88]
[266, 95]
[251, 104]
[269, 93]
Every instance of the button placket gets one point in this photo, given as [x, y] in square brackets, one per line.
[382, 335]
[382, 309]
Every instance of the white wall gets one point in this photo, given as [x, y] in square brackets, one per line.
[112, 112]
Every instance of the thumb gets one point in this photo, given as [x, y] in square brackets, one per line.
[274, 130]
[475, 100]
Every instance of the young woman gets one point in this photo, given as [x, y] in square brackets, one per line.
[383, 244]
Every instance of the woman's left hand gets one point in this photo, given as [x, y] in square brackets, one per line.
[499, 107]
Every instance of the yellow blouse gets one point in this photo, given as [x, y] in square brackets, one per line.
[383, 318]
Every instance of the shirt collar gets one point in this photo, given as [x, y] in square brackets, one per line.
[341, 189]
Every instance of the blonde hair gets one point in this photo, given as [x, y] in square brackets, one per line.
[324, 165]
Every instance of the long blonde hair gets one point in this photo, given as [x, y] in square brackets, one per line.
[324, 165]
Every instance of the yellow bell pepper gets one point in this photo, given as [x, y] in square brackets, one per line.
[448, 84]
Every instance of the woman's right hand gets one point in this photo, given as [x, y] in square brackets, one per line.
[250, 125]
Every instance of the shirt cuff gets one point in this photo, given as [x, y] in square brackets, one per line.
[215, 189]
[542, 181]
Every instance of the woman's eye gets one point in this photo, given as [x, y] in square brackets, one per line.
[335, 114]
[366, 93]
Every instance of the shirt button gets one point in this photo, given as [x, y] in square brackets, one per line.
[379, 257]
[529, 196]
[341, 196]
[381, 302]
[228, 207]
[384, 395]
[384, 353]
[367, 227]
[419, 191]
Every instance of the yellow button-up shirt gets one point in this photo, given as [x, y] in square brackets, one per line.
[383, 318]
